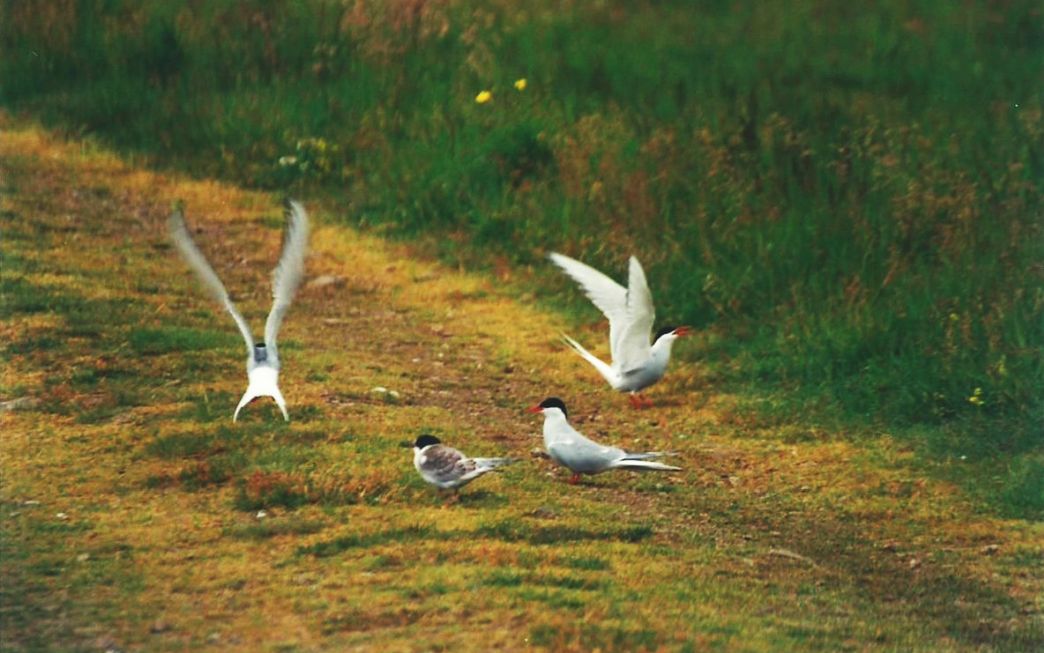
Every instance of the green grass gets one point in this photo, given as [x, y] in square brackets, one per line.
[845, 197]
[167, 340]
[1022, 492]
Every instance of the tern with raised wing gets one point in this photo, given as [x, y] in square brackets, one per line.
[447, 468]
[637, 363]
[263, 362]
[581, 455]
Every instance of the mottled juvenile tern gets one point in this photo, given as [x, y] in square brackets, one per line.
[445, 467]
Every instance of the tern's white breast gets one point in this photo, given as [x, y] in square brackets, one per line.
[263, 376]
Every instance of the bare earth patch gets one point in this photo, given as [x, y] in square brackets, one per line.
[137, 516]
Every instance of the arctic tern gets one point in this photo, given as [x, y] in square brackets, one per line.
[263, 362]
[445, 467]
[637, 364]
[569, 448]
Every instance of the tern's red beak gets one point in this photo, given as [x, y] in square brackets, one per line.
[683, 331]
[534, 409]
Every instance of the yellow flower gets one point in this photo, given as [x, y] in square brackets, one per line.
[483, 97]
[976, 398]
[520, 84]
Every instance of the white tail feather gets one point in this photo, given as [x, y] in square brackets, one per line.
[248, 396]
[493, 463]
[603, 368]
[643, 465]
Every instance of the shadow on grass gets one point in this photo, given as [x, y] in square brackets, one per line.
[174, 339]
[505, 531]
[593, 637]
[962, 608]
[274, 527]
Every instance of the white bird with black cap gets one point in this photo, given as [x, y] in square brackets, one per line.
[447, 468]
[581, 455]
[263, 362]
[637, 362]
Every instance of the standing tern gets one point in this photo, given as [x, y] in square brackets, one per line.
[569, 448]
[262, 358]
[445, 467]
[637, 364]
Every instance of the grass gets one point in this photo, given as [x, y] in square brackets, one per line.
[792, 178]
[166, 340]
[131, 503]
[162, 496]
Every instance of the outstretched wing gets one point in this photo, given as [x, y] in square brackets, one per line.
[187, 247]
[609, 296]
[632, 349]
[288, 273]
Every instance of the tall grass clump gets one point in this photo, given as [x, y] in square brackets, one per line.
[848, 195]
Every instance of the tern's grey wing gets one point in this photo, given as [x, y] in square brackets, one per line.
[581, 454]
[288, 273]
[187, 247]
[445, 464]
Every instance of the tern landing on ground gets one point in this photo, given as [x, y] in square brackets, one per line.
[569, 448]
[637, 364]
[445, 467]
[262, 358]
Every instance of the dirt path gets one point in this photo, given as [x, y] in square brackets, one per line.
[137, 516]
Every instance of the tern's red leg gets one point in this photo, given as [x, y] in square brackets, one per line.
[575, 478]
[638, 401]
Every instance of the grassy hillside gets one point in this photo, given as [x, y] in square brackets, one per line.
[135, 516]
[846, 198]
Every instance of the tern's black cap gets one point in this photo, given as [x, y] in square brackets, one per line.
[555, 402]
[664, 331]
[425, 439]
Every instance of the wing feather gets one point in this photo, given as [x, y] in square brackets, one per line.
[288, 273]
[609, 296]
[444, 464]
[190, 252]
[632, 348]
